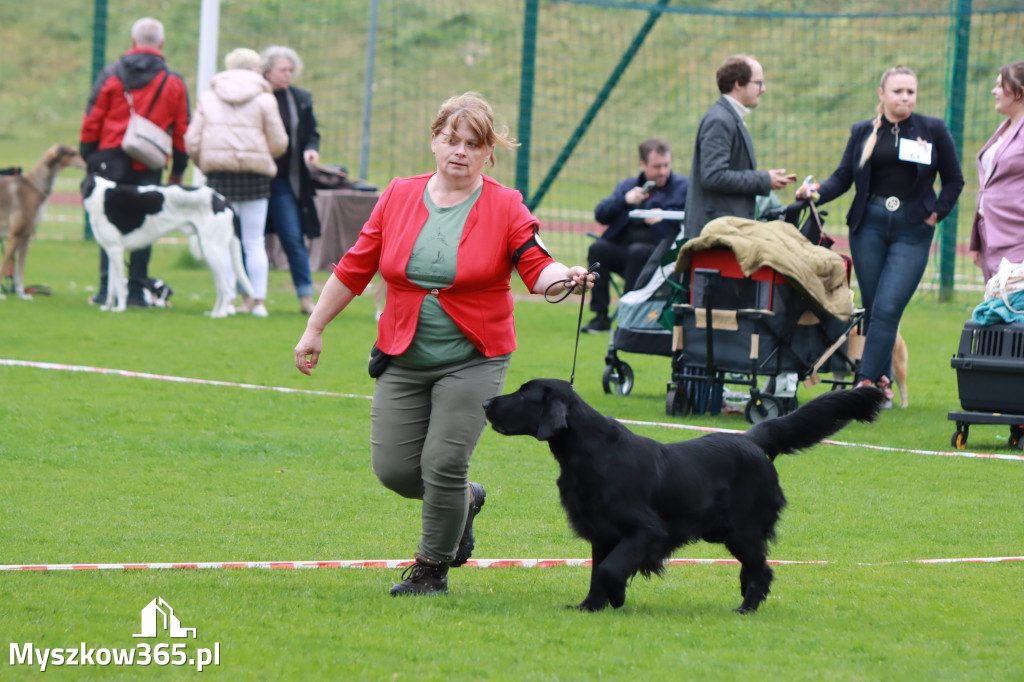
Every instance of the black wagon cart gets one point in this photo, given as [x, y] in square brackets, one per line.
[989, 368]
[765, 304]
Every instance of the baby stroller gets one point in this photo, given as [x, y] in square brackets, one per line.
[749, 316]
[643, 319]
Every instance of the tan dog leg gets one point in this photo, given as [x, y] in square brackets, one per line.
[899, 367]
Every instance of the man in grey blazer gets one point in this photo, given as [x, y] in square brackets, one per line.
[724, 179]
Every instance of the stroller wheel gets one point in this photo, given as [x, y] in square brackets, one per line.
[617, 378]
[677, 403]
[1017, 437]
[762, 408]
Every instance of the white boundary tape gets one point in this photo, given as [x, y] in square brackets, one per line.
[400, 563]
[165, 377]
[472, 563]
[281, 389]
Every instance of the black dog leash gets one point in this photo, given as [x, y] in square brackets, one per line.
[569, 286]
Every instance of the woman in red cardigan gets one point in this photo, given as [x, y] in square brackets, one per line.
[446, 244]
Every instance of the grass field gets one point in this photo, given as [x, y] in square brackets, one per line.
[101, 468]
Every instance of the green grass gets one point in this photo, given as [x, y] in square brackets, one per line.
[112, 469]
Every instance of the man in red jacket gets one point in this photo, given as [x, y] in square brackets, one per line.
[158, 94]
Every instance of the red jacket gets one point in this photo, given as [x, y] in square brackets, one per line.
[480, 299]
[106, 114]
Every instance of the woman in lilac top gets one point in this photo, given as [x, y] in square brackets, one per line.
[998, 229]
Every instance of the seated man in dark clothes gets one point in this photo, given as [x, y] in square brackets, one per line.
[627, 243]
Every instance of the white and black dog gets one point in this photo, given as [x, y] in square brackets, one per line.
[130, 217]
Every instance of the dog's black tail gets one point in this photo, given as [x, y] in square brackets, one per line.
[818, 419]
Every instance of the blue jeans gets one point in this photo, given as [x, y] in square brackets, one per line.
[286, 218]
[889, 257]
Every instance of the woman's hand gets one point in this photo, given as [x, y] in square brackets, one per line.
[580, 277]
[333, 299]
[569, 278]
[808, 191]
[932, 219]
[307, 351]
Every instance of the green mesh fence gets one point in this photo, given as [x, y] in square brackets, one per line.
[607, 74]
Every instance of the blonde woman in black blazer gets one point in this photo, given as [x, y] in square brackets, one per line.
[892, 160]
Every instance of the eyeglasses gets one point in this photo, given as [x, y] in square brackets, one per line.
[450, 138]
[759, 84]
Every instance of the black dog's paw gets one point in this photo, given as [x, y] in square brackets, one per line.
[591, 605]
[744, 610]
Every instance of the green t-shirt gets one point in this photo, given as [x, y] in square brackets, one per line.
[438, 341]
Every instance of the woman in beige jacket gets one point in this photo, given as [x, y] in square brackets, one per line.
[234, 137]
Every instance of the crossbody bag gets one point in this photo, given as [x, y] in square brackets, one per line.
[145, 141]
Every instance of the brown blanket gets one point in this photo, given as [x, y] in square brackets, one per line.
[817, 273]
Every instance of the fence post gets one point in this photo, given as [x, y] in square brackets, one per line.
[371, 51]
[527, 76]
[955, 107]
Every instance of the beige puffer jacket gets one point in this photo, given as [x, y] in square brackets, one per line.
[237, 126]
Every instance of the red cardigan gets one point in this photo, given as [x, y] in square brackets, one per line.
[479, 300]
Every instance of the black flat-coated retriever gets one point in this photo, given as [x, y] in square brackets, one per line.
[636, 500]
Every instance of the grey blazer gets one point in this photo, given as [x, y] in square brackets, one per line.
[723, 176]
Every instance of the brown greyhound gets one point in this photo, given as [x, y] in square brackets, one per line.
[21, 201]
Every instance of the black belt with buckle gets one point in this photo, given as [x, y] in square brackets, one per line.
[891, 204]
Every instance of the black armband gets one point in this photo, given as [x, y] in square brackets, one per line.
[527, 245]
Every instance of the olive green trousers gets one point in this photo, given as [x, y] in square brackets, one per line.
[424, 426]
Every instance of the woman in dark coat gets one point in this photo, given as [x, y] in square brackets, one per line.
[292, 213]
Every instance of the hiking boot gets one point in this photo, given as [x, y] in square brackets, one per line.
[477, 497]
[138, 300]
[426, 576]
[600, 323]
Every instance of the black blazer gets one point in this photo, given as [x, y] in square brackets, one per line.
[308, 137]
[922, 201]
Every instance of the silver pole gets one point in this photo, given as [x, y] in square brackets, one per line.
[209, 27]
[371, 49]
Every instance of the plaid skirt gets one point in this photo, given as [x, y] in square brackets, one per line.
[243, 186]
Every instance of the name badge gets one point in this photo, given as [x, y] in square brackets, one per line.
[916, 151]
